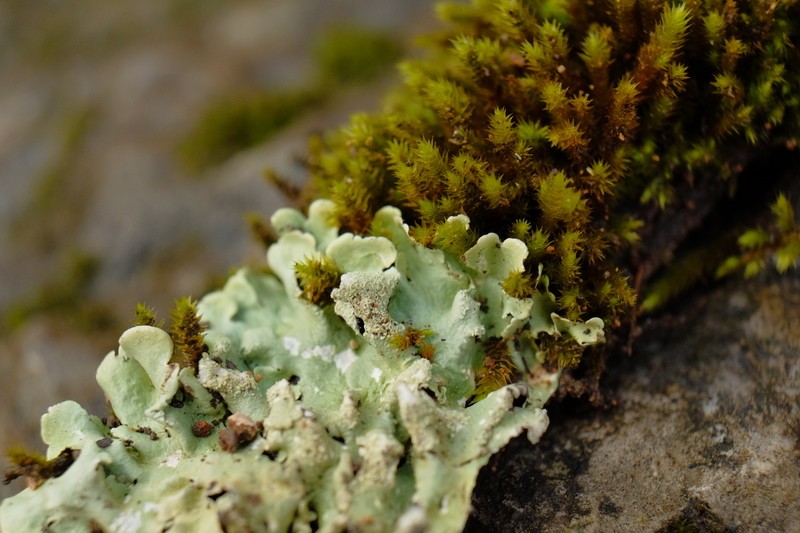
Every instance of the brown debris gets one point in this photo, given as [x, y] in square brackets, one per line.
[202, 429]
[35, 468]
[240, 431]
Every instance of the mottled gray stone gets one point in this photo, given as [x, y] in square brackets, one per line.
[706, 430]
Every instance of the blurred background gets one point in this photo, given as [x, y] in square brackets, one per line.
[134, 139]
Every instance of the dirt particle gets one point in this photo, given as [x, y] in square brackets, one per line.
[202, 429]
[241, 430]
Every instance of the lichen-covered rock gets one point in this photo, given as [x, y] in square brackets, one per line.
[372, 412]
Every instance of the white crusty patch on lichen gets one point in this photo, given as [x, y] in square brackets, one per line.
[326, 353]
[292, 345]
[130, 522]
[226, 381]
[379, 454]
[344, 359]
[172, 460]
[362, 300]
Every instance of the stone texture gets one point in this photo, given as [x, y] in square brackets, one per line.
[706, 430]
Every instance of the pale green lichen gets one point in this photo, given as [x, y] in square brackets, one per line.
[333, 426]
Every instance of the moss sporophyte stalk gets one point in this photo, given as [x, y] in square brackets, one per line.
[485, 235]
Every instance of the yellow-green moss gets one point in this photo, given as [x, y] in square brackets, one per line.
[342, 56]
[571, 125]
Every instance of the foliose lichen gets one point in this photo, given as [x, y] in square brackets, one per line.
[304, 416]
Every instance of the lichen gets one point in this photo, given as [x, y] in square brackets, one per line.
[303, 415]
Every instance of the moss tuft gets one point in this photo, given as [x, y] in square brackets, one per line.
[317, 277]
[578, 129]
[145, 315]
[497, 370]
[187, 332]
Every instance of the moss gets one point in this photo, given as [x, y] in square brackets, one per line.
[577, 128]
[496, 371]
[347, 55]
[187, 332]
[145, 316]
[35, 468]
[414, 338]
[519, 285]
[342, 56]
[237, 122]
[317, 277]
[778, 241]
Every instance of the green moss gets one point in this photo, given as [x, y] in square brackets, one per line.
[145, 316]
[496, 371]
[568, 125]
[519, 285]
[342, 56]
[237, 122]
[35, 468]
[346, 55]
[187, 332]
[777, 242]
[317, 277]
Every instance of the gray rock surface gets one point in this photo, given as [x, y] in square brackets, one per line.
[705, 434]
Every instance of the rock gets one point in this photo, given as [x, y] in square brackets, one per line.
[705, 435]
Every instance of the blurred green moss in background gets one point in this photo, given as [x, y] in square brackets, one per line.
[342, 57]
